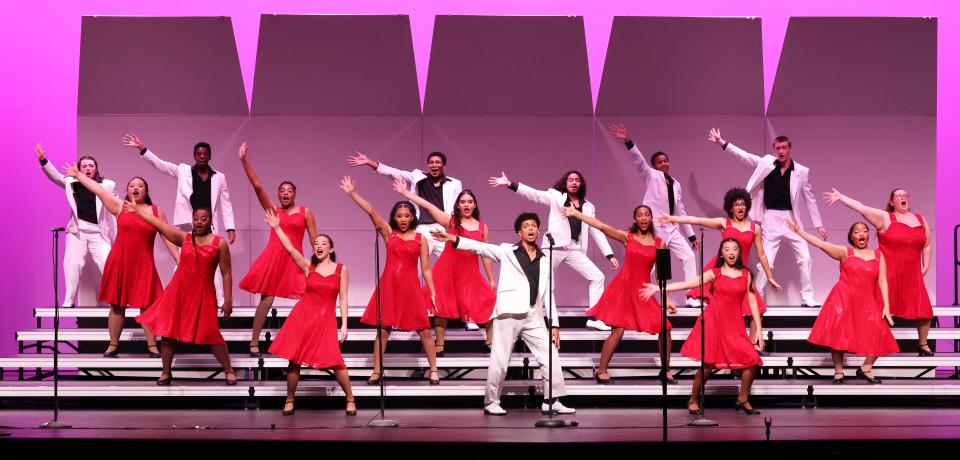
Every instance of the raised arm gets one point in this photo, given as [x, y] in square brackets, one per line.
[311, 225]
[835, 251]
[166, 167]
[651, 289]
[425, 269]
[877, 217]
[173, 235]
[620, 132]
[716, 223]
[762, 255]
[344, 303]
[270, 217]
[113, 204]
[349, 186]
[602, 244]
[402, 187]
[530, 193]
[614, 233]
[884, 289]
[741, 154]
[262, 194]
[359, 159]
[226, 275]
[48, 169]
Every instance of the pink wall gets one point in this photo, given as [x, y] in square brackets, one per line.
[40, 47]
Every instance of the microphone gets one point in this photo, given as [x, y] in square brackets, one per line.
[549, 238]
[57, 229]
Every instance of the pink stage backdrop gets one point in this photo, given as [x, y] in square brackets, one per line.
[499, 93]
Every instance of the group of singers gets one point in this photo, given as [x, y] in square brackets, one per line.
[438, 216]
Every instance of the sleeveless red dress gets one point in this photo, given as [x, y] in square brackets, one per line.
[309, 335]
[462, 291]
[851, 318]
[901, 246]
[621, 304]
[746, 244]
[403, 305]
[274, 272]
[187, 310]
[130, 276]
[727, 344]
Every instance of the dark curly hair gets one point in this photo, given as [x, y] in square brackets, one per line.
[393, 213]
[731, 197]
[850, 232]
[561, 185]
[634, 228]
[518, 223]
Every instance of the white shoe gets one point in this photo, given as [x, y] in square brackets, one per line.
[67, 306]
[597, 324]
[809, 304]
[558, 408]
[472, 326]
[494, 409]
[691, 302]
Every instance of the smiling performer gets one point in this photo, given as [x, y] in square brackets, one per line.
[856, 314]
[403, 305]
[274, 273]
[523, 293]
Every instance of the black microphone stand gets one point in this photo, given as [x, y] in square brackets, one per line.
[381, 421]
[663, 275]
[56, 423]
[702, 421]
[550, 422]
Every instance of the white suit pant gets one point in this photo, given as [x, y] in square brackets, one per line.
[435, 246]
[78, 245]
[573, 257]
[775, 233]
[533, 330]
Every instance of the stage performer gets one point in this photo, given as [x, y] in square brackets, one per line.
[130, 278]
[780, 187]
[523, 293]
[309, 336]
[403, 304]
[571, 238]
[906, 245]
[726, 343]
[663, 195]
[198, 187]
[186, 312]
[91, 228]
[737, 204]
[620, 306]
[462, 293]
[274, 273]
[856, 314]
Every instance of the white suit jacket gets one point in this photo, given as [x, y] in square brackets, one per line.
[513, 290]
[799, 183]
[558, 225]
[183, 211]
[656, 196]
[105, 220]
[450, 188]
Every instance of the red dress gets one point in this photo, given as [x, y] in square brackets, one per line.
[274, 272]
[402, 303]
[621, 304]
[746, 243]
[462, 292]
[309, 335]
[901, 246]
[851, 318]
[727, 344]
[130, 276]
[187, 310]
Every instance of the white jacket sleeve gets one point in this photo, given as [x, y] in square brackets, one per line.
[226, 207]
[532, 194]
[807, 190]
[646, 170]
[599, 237]
[743, 155]
[490, 251]
[54, 175]
[396, 173]
[686, 229]
[165, 167]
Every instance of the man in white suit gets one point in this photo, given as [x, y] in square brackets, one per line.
[776, 186]
[198, 186]
[433, 185]
[91, 228]
[663, 196]
[522, 294]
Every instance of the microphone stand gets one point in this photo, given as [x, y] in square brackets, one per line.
[381, 421]
[550, 422]
[702, 421]
[56, 423]
[663, 275]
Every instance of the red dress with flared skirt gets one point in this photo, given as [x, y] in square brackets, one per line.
[902, 246]
[274, 272]
[621, 304]
[462, 291]
[745, 237]
[130, 276]
[309, 334]
[402, 303]
[727, 344]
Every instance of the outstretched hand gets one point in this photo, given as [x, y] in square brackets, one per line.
[570, 211]
[619, 131]
[243, 151]
[671, 307]
[131, 140]
[70, 170]
[502, 180]
[38, 149]
[271, 218]
[348, 185]
[715, 137]
[342, 334]
[442, 236]
[832, 197]
[649, 290]
[357, 159]
[793, 226]
[776, 286]
[400, 186]
[886, 316]
[130, 206]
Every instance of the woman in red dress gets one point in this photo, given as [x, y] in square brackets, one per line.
[274, 273]
[726, 343]
[130, 278]
[187, 310]
[309, 336]
[621, 306]
[906, 245]
[462, 293]
[403, 305]
[855, 315]
[737, 204]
